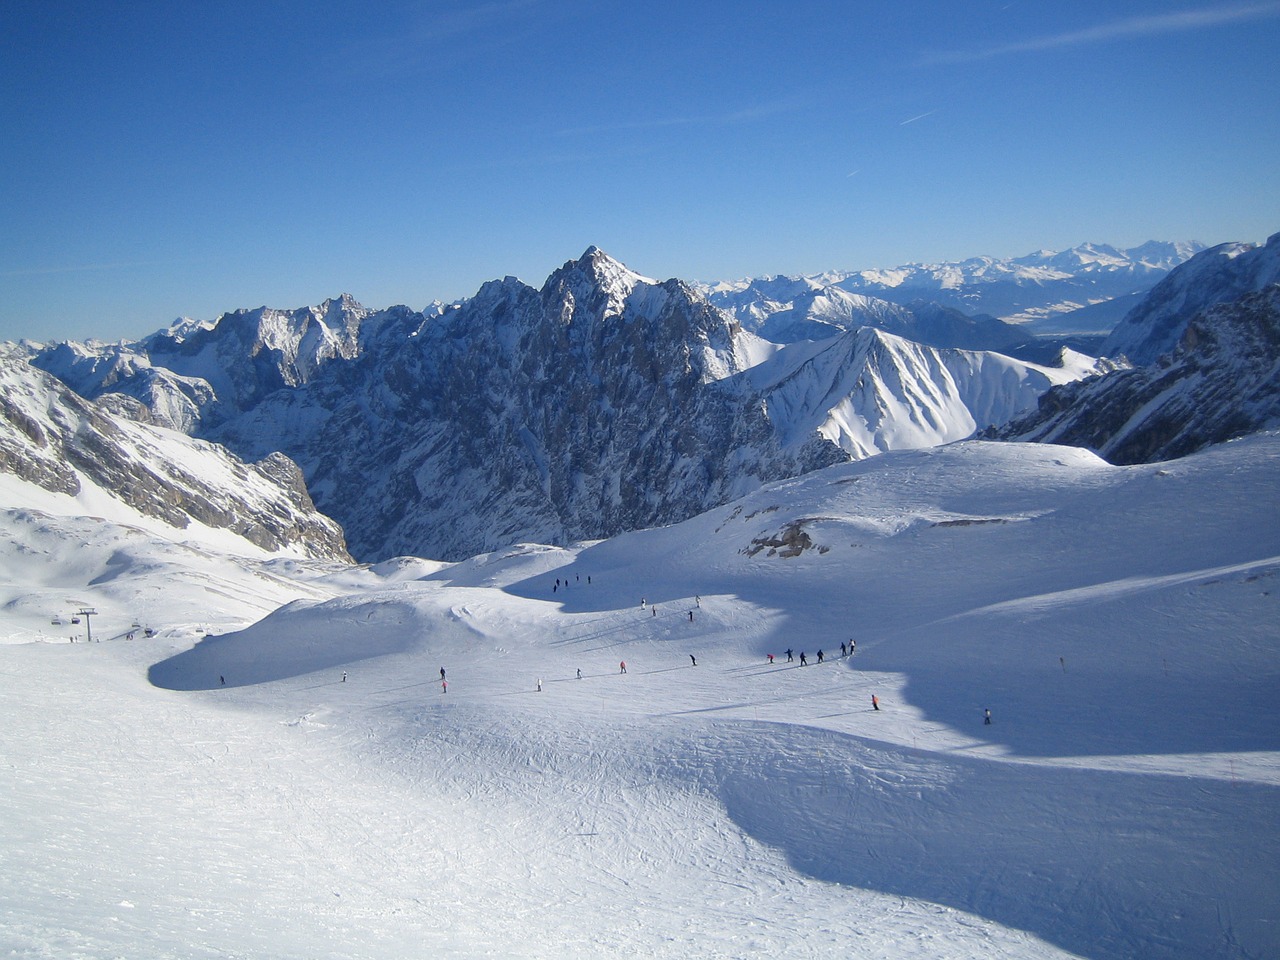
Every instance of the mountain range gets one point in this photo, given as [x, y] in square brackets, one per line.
[602, 402]
[606, 401]
[1045, 724]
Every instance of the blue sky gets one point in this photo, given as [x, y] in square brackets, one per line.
[166, 159]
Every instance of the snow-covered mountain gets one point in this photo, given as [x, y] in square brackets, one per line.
[1222, 382]
[1042, 288]
[577, 410]
[193, 376]
[869, 392]
[602, 402]
[83, 457]
[1226, 272]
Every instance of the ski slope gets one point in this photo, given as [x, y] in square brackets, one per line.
[220, 790]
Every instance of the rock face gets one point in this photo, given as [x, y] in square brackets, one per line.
[1218, 275]
[195, 376]
[1221, 382]
[63, 443]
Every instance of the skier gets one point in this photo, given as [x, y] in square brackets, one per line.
[842, 649]
[694, 659]
[698, 600]
[803, 661]
[442, 673]
[655, 610]
[770, 656]
[344, 676]
[875, 702]
[579, 673]
[588, 579]
[820, 657]
[643, 603]
[222, 681]
[691, 616]
[444, 686]
[986, 717]
[789, 657]
[539, 684]
[623, 667]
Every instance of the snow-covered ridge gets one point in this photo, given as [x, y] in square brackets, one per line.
[869, 392]
[1222, 382]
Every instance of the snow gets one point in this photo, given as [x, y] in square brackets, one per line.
[1119, 622]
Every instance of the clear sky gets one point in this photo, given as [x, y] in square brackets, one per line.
[161, 159]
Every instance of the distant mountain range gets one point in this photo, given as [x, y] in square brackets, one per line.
[605, 401]
[1086, 289]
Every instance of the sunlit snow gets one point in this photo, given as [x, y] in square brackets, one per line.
[278, 773]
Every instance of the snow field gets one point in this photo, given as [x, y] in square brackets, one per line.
[1119, 623]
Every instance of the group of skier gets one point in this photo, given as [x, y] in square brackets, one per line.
[804, 659]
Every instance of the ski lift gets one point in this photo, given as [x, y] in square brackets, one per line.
[56, 621]
[75, 619]
[148, 632]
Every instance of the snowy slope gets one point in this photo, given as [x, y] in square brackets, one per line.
[1118, 622]
[83, 458]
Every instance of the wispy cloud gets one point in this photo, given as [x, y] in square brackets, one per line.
[438, 39]
[1121, 29]
[450, 25]
[762, 111]
[920, 117]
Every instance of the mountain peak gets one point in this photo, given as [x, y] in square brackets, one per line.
[592, 274]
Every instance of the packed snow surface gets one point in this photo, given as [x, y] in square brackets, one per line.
[277, 771]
